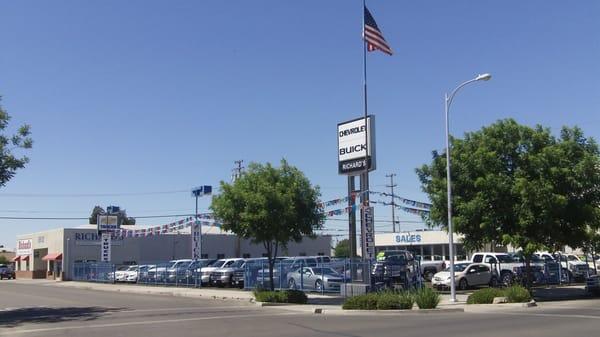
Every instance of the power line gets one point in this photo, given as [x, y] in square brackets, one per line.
[87, 218]
[78, 195]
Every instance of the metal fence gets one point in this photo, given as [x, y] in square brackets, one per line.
[296, 273]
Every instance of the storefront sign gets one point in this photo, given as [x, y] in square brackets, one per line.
[25, 247]
[105, 248]
[352, 147]
[408, 238]
[93, 239]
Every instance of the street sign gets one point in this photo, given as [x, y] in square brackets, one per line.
[201, 190]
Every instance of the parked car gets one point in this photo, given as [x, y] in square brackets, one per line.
[224, 276]
[177, 272]
[193, 272]
[430, 265]
[503, 264]
[575, 269]
[247, 271]
[465, 275]
[282, 267]
[6, 272]
[122, 272]
[315, 278]
[205, 272]
[395, 267]
[158, 273]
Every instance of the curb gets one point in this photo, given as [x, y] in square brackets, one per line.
[407, 311]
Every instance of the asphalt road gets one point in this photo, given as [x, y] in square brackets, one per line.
[43, 310]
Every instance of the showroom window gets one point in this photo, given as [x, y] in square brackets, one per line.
[220, 256]
[246, 256]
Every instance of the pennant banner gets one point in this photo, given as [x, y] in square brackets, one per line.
[409, 202]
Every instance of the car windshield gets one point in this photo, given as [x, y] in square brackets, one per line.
[573, 258]
[505, 258]
[184, 264]
[133, 268]
[237, 264]
[458, 267]
[123, 268]
[218, 264]
[323, 271]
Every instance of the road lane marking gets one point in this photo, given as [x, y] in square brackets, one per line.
[166, 321]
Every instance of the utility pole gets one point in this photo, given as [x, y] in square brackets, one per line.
[237, 171]
[393, 203]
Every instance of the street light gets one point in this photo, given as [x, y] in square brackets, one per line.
[448, 101]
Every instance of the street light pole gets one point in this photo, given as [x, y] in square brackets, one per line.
[448, 102]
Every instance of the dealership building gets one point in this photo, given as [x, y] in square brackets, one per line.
[427, 243]
[51, 253]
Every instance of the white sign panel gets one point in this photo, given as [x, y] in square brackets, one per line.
[196, 240]
[108, 223]
[352, 147]
[105, 247]
[368, 233]
[25, 247]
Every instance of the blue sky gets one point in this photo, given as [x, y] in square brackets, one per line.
[157, 96]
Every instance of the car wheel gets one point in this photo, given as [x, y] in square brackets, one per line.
[292, 284]
[507, 279]
[463, 284]
[429, 275]
[319, 285]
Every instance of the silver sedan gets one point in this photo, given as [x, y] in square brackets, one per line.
[315, 278]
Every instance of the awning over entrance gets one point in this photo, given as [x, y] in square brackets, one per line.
[24, 257]
[16, 258]
[52, 257]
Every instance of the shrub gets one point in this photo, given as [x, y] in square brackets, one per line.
[484, 296]
[427, 298]
[361, 302]
[517, 294]
[406, 300]
[287, 296]
[388, 300]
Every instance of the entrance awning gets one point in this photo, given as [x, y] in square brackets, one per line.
[52, 257]
[24, 257]
[16, 258]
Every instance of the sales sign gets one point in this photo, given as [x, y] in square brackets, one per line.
[352, 146]
[108, 223]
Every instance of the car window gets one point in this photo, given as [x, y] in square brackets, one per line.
[228, 263]
[483, 269]
[458, 267]
[573, 258]
[478, 258]
[505, 258]
[237, 264]
[490, 259]
[218, 263]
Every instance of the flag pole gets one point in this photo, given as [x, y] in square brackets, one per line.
[365, 178]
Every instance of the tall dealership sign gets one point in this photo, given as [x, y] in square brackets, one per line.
[356, 157]
[107, 224]
[354, 152]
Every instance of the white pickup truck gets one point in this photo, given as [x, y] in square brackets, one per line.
[575, 268]
[505, 266]
[430, 265]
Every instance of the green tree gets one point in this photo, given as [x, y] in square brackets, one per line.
[271, 206]
[342, 249]
[9, 161]
[4, 260]
[518, 185]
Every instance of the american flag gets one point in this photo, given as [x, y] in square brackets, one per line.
[373, 36]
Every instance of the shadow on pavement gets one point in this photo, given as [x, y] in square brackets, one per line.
[560, 294]
[15, 317]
